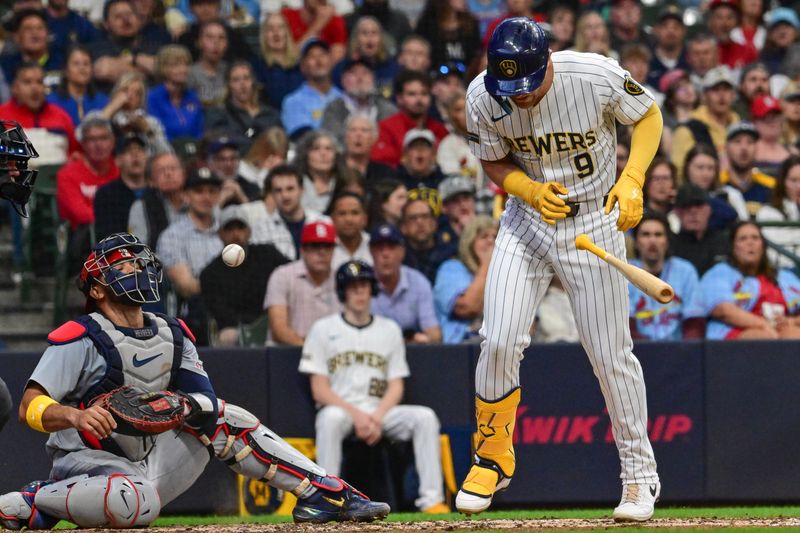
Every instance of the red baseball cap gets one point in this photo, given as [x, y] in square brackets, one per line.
[319, 232]
[763, 105]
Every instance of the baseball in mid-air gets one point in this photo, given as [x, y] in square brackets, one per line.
[233, 255]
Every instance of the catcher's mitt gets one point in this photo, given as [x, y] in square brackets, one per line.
[139, 412]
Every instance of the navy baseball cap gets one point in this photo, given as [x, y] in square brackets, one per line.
[311, 43]
[222, 142]
[386, 233]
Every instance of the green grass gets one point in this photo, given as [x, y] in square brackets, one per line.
[661, 512]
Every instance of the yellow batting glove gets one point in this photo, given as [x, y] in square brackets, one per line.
[628, 194]
[541, 196]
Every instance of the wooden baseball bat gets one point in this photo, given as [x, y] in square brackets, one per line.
[650, 284]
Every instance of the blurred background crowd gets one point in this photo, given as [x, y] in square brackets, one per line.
[311, 132]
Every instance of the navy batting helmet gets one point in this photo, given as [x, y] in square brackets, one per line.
[517, 57]
[355, 270]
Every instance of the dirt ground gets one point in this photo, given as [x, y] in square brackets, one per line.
[484, 525]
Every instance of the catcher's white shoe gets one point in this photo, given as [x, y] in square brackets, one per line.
[638, 502]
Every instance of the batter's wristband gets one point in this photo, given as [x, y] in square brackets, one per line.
[36, 409]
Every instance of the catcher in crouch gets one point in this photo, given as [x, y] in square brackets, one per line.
[103, 478]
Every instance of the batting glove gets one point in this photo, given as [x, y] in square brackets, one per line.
[541, 196]
[628, 194]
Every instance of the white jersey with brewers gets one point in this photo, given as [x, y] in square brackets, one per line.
[360, 361]
[568, 137]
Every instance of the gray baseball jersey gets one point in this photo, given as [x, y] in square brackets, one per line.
[68, 371]
[568, 137]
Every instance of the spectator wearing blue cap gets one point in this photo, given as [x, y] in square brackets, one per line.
[404, 294]
[302, 109]
[781, 52]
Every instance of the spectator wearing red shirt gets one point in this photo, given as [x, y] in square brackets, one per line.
[413, 92]
[723, 17]
[29, 107]
[78, 180]
[318, 19]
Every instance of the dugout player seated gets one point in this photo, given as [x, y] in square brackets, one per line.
[357, 362]
[101, 478]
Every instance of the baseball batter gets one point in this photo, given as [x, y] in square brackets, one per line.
[544, 126]
[101, 478]
[357, 363]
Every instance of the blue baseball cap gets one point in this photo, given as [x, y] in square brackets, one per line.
[783, 14]
[386, 233]
[312, 43]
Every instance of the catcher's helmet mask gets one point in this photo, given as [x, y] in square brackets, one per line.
[136, 287]
[351, 271]
[517, 58]
[16, 179]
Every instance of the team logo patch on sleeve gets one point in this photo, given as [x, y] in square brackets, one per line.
[632, 88]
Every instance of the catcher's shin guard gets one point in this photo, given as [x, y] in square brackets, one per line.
[255, 451]
[494, 453]
[115, 501]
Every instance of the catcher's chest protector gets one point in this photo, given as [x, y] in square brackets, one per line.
[149, 361]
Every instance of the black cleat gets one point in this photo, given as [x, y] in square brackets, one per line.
[336, 501]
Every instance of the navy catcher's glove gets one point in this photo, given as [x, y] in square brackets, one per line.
[139, 412]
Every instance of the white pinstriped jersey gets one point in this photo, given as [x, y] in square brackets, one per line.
[570, 135]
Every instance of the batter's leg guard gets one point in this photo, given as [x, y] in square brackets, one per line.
[255, 451]
[18, 510]
[494, 453]
[115, 501]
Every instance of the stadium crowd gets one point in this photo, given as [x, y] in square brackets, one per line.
[313, 132]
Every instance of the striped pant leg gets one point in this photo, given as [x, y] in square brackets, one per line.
[599, 297]
[518, 277]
